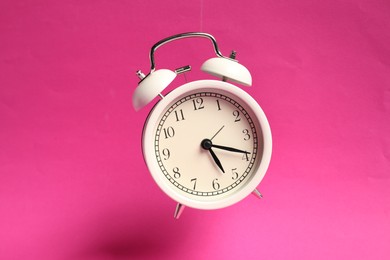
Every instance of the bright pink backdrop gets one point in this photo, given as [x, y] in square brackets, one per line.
[73, 184]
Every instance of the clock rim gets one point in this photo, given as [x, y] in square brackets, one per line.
[152, 164]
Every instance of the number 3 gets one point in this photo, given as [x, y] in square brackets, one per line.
[247, 135]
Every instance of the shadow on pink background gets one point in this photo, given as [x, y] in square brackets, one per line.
[73, 184]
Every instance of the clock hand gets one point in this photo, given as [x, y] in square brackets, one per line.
[217, 133]
[230, 149]
[216, 160]
[206, 144]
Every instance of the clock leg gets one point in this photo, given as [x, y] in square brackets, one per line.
[179, 210]
[257, 194]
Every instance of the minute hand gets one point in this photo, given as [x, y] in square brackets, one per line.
[230, 149]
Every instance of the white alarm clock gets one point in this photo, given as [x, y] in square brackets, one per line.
[207, 143]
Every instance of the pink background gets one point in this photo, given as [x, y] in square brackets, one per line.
[73, 184]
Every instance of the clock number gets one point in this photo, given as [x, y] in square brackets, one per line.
[176, 173]
[194, 181]
[245, 157]
[215, 184]
[166, 153]
[236, 113]
[198, 103]
[218, 105]
[169, 132]
[179, 115]
[247, 135]
[235, 174]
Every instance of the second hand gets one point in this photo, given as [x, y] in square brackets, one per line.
[217, 132]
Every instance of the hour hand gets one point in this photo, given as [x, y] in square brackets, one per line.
[206, 144]
[216, 160]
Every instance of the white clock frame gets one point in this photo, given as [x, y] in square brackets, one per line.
[148, 141]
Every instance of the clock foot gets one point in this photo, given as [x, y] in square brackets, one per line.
[179, 210]
[257, 194]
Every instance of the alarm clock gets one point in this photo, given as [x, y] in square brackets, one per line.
[207, 143]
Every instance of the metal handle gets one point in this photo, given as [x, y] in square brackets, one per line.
[182, 36]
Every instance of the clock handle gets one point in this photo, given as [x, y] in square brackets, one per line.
[182, 36]
[156, 81]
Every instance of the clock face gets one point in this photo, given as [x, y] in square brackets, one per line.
[205, 145]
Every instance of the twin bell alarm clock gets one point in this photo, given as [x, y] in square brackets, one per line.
[207, 143]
